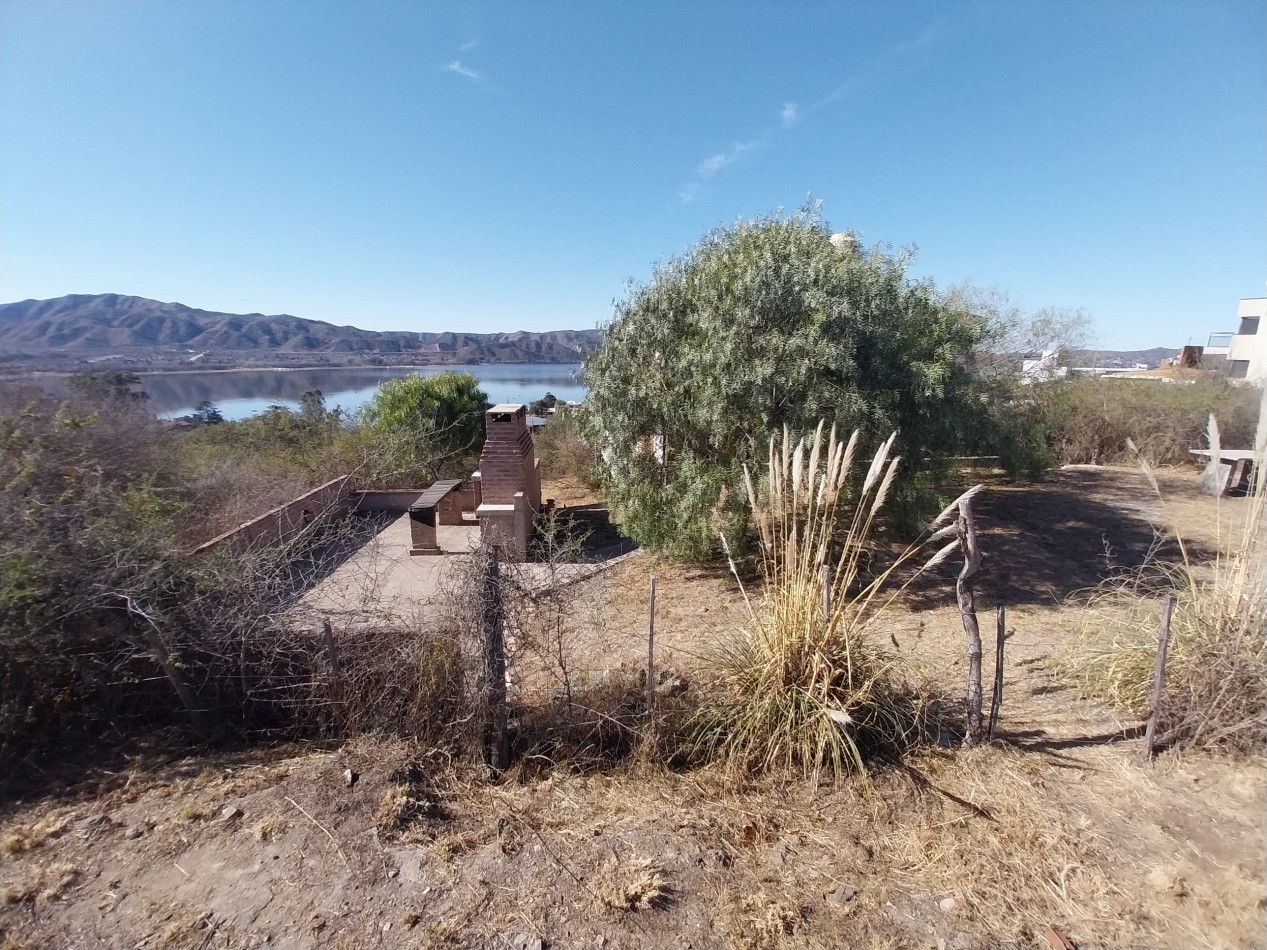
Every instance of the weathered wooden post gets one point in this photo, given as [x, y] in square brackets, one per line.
[497, 751]
[996, 698]
[968, 611]
[332, 653]
[651, 647]
[1159, 675]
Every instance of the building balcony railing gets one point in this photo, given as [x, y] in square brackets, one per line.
[1220, 341]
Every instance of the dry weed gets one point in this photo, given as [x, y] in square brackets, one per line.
[449, 846]
[208, 776]
[24, 838]
[41, 884]
[190, 812]
[269, 828]
[636, 884]
[757, 921]
[188, 932]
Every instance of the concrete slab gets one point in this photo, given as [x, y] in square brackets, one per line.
[382, 583]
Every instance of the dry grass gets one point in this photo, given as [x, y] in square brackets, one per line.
[191, 812]
[758, 921]
[1216, 680]
[803, 687]
[1000, 852]
[41, 885]
[269, 828]
[636, 884]
[24, 838]
[187, 932]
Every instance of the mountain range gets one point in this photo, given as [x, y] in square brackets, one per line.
[101, 327]
[113, 329]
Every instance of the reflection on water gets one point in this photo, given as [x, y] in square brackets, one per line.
[241, 394]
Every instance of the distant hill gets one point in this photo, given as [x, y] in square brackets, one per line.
[101, 327]
[1127, 359]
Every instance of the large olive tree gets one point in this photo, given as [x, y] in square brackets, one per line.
[764, 324]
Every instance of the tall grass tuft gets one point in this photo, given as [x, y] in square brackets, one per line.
[803, 689]
[1216, 679]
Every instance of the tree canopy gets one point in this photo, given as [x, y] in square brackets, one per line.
[428, 420]
[764, 324]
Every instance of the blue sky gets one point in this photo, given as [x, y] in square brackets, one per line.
[500, 166]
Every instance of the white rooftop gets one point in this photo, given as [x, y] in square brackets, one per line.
[507, 407]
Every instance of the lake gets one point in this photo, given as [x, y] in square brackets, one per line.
[242, 393]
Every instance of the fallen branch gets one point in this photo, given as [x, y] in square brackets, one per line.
[323, 828]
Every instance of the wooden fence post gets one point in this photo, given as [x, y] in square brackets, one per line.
[996, 697]
[968, 612]
[497, 751]
[332, 653]
[1159, 675]
[651, 647]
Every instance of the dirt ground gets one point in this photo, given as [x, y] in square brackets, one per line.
[1057, 823]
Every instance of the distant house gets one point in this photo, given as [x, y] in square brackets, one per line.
[1042, 369]
[1245, 349]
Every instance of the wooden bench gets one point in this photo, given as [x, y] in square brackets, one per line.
[1233, 472]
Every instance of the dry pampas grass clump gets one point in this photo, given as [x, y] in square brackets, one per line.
[1216, 674]
[803, 686]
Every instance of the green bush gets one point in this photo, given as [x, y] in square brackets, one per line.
[763, 325]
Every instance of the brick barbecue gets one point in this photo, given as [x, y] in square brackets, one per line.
[508, 483]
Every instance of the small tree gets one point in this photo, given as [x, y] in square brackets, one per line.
[428, 423]
[207, 413]
[762, 325]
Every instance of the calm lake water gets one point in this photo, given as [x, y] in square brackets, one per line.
[241, 394]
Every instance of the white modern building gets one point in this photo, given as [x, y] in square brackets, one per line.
[1246, 348]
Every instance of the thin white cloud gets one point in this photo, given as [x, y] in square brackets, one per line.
[710, 166]
[715, 163]
[457, 67]
[468, 46]
[789, 114]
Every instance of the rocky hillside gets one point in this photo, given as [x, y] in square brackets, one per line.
[97, 326]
